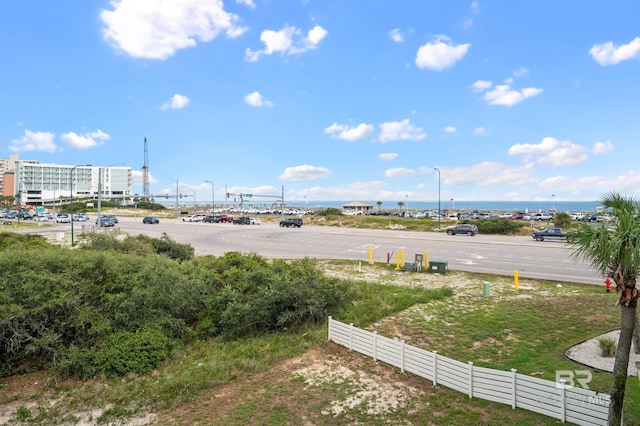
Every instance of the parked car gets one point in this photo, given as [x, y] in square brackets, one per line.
[62, 218]
[242, 220]
[225, 219]
[105, 222]
[254, 221]
[151, 220]
[297, 223]
[517, 216]
[113, 217]
[462, 228]
[80, 217]
[211, 219]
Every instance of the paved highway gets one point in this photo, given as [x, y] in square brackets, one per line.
[481, 253]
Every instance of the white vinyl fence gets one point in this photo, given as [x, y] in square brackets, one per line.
[566, 403]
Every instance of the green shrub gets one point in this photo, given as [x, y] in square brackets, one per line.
[607, 346]
[131, 352]
[10, 240]
[563, 220]
[331, 211]
[501, 225]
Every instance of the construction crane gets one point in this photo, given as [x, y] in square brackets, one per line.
[145, 173]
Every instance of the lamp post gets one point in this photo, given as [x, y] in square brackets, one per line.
[553, 202]
[439, 214]
[213, 199]
[73, 242]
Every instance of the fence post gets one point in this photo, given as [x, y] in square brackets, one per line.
[470, 379]
[375, 345]
[563, 400]
[351, 336]
[329, 329]
[435, 368]
[402, 356]
[513, 388]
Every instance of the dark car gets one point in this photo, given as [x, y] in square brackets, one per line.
[462, 228]
[297, 223]
[151, 219]
[113, 217]
[104, 222]
[211, 219]
[242, 221]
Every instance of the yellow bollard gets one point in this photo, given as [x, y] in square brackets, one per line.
[515, 278]
[370, 255]
[397, 260]
[426, 259]
[402, 257]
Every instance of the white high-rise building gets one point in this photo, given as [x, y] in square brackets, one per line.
[47, 184]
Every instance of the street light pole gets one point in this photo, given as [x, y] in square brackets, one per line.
[439, 212]
[553, 197]
[73, 242]
[213, 199]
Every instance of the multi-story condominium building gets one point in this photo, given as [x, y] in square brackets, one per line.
[47, 184]
[7, 165]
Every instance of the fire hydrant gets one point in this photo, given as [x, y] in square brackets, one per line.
[607, 284]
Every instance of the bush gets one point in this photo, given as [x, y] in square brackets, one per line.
[331, 211]
[607, 346]
[563, 220]
[131, 352]
[501, 225]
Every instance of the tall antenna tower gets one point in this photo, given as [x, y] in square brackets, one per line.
[145, 173]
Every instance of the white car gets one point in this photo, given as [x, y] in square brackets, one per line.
[80, 217]
[62, 218]
[254, 221]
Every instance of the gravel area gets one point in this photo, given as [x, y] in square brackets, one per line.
[588, 353]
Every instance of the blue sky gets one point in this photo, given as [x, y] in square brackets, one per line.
[332, 99]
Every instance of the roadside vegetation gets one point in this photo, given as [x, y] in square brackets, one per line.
[138, 328]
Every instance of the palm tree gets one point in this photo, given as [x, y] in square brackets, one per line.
[616, 251]
[400, 204]
[379, 203]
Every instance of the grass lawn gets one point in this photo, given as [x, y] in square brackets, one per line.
[298, 378]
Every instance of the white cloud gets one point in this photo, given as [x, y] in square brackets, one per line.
[481, 85]
[552, 151]
[504, 95]
[283, 42]
[489, 173]
[396, 35]
[137, 178]
[400, 130]
[351, 134]
[610, 54]
[520, 72]
[88, 140]
[33, 141]
[602, 147]
[156, 29]
[440, 54]
[249, 3]
[450, 129]
[475, 7]
[388, 156]
[177, 101]
[403, 171]
[257, 100]
[478, 131]
[305, 172]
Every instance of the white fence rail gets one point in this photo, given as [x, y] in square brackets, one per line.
[566, 403]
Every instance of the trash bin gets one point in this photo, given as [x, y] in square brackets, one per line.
[486, 289]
